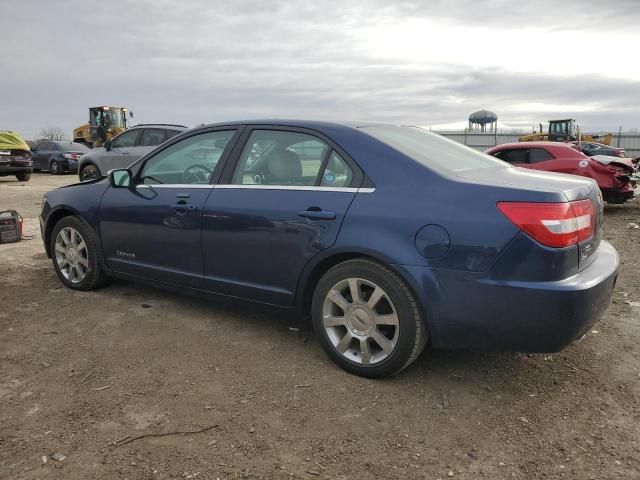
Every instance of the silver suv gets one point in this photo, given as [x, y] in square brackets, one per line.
[125, 149]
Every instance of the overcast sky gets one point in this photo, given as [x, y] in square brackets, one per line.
[421, 62]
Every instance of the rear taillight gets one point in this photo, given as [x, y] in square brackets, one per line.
[553, 224]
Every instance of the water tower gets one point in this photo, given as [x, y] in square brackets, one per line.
[478, 121]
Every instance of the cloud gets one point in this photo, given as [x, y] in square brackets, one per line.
[202, 61]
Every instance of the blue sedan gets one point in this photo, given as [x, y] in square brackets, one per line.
[387, 238]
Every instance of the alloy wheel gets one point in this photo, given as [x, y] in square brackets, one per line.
[71, 255]
[360, 321]
[89, 173]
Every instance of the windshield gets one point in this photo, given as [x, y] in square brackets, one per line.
[432, 150]
[111, 118]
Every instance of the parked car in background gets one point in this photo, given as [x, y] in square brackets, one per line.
[15, 156]
[125, 149]
[592, 148]
[616, 177]
[57, 157]
[388, 237]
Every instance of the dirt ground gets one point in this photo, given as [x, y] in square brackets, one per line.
[86, 374]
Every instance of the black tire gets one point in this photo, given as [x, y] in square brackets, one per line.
[412, 333]
[95, 276]
[56, 168]
[89, 172]
[23, 177]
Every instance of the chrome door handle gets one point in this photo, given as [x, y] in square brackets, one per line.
[184, 206]
[317, 214]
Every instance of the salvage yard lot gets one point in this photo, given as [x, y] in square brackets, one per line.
[86, 374]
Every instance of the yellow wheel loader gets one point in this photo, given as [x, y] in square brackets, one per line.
[565, 130]
[104, 123]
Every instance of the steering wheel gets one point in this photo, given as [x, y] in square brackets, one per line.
[197, 174]
[256, 175]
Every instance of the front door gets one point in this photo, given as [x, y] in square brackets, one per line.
[153, 229]
[283, 204]
[40, 157]
[119, 154]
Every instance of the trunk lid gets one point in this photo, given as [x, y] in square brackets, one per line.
[626, 163]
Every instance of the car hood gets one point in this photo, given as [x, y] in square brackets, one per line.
[96, 151]
[626, 163]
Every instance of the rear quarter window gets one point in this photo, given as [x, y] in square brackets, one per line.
[514, 156]
[537, 155]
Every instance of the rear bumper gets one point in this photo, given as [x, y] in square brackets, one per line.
[472, 311]
[14, 169]
[71, 166]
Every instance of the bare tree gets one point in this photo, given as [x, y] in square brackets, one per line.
[53, 133]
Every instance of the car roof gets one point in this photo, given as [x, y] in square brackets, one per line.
[312, 124]
[534, 144]
[159, 125]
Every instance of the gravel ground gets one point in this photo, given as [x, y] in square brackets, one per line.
[115, 379]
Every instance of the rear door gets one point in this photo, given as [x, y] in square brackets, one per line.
[153, 229]
[280, 201]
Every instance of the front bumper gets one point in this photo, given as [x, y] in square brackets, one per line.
[473, 311]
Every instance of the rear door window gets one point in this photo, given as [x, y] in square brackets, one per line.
[152, 137]
[337, 172]
[275, 157]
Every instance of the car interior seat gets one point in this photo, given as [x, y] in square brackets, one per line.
[284, 167]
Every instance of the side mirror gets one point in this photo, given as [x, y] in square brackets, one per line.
[107, 145]
[120, 178]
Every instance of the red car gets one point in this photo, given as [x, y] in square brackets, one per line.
[616, 177]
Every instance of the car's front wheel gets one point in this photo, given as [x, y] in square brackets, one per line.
[367, 319]
[89, 172]
[23, 177]
[75, 255]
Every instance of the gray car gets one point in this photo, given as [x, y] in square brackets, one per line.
[125, 149]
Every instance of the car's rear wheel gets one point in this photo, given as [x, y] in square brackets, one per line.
[56, 168]
[23, 177]
[75, 255]
[89, 172]
[367, 319]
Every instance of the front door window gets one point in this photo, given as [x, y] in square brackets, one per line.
[190, 161]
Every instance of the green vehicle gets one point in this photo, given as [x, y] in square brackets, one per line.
[15, 156]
